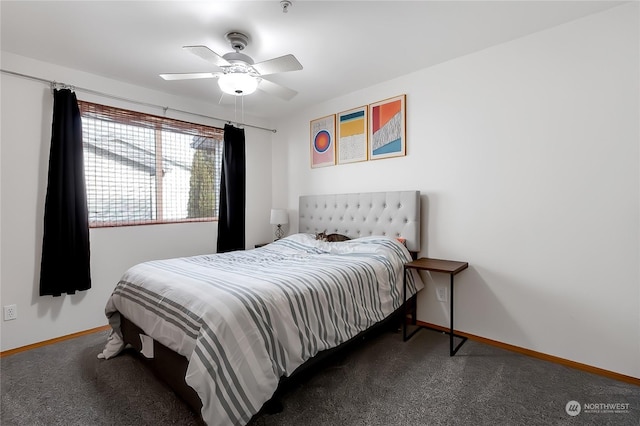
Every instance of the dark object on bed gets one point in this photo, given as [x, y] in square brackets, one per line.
[170, 367]
[331, 238]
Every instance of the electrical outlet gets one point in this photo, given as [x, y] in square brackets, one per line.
[10, 312]
[441, 294]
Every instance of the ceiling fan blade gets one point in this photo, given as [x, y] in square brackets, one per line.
[276, 90]
[276, 65]
[207, 54]
[189, 75]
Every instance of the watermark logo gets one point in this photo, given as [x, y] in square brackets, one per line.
[606, 408]
[573, 408]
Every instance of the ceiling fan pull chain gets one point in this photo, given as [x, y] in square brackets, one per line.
[235, 109]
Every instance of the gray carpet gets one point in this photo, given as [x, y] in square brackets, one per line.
[382, 381]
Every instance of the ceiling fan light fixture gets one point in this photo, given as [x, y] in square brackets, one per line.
[238, 84]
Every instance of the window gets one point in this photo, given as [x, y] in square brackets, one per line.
[146, 169]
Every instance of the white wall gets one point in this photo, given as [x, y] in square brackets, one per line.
[26, 133]
[527, 156]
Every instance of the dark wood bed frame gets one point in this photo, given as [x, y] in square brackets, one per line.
[171, 367]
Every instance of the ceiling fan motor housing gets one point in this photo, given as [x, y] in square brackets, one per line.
[237, 40]
[237, 58]
[240, 63]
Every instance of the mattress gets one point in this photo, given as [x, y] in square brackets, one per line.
[245, 319]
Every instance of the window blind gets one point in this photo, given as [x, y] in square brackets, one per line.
[146, 169]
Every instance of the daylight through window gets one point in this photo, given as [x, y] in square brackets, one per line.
[146, 169]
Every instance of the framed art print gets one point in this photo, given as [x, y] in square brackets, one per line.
[352, 135]
[323, 144]
[387, 133]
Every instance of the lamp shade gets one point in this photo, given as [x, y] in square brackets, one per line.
[238, 84]
[279, 217]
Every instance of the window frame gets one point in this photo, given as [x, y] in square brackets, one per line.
[158, 125]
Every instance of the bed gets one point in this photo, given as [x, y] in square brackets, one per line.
[225, 330]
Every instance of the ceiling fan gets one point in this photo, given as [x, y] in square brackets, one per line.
[238, 74]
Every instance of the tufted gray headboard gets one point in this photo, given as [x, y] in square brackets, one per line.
[394, 214]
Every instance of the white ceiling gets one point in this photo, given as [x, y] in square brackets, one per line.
[343, 45]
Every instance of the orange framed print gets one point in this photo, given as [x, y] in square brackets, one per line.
[352, 135]
[387, 129]
[323, 144]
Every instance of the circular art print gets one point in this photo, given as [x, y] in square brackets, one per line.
[322, 141]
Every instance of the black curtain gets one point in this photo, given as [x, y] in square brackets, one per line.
[65, 247]
[231, 217]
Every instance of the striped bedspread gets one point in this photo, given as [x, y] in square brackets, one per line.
[244, 319]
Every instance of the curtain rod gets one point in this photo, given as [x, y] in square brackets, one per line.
[53, 84]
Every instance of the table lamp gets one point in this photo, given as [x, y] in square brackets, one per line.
[279, 217]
